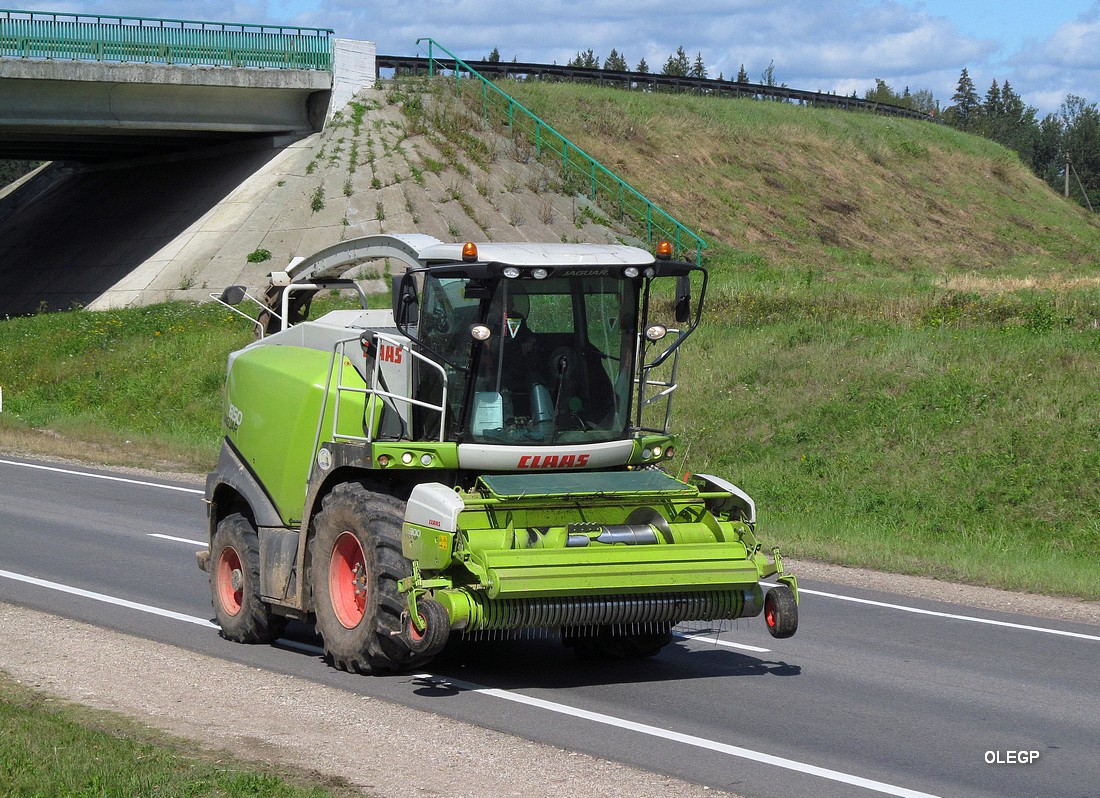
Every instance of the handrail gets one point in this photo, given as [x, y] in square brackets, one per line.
[339, 352]
[92, 37]
[665, 387]
[601, 181]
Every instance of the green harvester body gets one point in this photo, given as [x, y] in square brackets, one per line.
[489, 455]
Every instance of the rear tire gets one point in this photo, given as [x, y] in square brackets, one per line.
[235, 584]
[781, 612]
[355, 563]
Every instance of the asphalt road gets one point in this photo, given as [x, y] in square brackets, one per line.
[877, 694]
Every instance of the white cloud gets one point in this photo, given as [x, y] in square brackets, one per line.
[829, 45]
[1066, 63]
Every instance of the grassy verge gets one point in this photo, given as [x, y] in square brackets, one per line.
[49, 748]
[123, 385]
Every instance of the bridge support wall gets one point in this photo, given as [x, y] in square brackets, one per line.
[354, 68]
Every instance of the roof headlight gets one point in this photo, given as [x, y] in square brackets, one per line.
[540, 273]
[511, 272]
[631, 271]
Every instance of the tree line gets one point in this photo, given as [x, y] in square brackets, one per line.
[1063, 148]
[678, 64]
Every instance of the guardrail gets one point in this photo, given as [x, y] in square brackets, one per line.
[602, 185]
[89, 37]
[649, 80]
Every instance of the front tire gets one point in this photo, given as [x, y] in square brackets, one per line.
[781, 612]
[355, 563]
[235, 584]
[436, 632]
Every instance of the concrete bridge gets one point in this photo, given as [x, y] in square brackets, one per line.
[149, 125]
[85, 88]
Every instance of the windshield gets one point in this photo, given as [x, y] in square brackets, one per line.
[556, 367]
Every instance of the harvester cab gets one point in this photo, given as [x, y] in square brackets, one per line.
[487, 456]
[535, 355]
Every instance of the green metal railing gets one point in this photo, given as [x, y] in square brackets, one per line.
[87, 37]
[603, 186]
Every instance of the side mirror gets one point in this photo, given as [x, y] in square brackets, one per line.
[406, 303]
[232, 295]
[683, 298]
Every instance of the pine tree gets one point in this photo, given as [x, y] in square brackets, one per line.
[494, 57]
[742, 75]
[677, 64]
[966, 112]
[698, 69]
[768, 76]
[586, 60]
[1018, 128]
[994, 107]
[615, 62]
[642, 67]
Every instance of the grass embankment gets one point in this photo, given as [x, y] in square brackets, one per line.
[49, 748]
[899, 361]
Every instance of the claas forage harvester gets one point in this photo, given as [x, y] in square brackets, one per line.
[485, 457]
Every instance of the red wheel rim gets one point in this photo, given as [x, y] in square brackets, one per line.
[769, 612]
[414, 635]
[229, 581]
[347, 580]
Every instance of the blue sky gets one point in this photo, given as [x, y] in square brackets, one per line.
[1046, 50]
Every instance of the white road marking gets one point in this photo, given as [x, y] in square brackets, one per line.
[949, 615]
[175, 539]
[686, 739]
[101, 476]
[76, 591]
